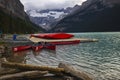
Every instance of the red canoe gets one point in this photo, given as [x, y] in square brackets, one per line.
[53, 36]
[21, 48]
[66, 42]
[51, 47]
[37, 48]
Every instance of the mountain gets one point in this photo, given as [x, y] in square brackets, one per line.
[44, 18]
[13, 19]
[92, 16]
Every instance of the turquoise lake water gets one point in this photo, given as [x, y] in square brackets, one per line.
[100, 59]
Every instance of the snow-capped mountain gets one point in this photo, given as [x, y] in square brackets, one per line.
[45, 17]
[47, 13]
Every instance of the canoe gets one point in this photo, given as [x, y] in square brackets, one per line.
[50, 47]
[34, 48]
[38, 47]
[21, 48]
[66, 42]
[53, 36]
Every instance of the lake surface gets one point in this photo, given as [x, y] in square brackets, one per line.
[101, 59]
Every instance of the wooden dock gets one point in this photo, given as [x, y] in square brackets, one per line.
[27, 40]
[82, 40]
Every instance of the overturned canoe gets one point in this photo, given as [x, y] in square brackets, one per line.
[50, 47]
[37, 48]
[53, 36]
[21, 48]
[46, 46]
[66, 42]
[34, 47]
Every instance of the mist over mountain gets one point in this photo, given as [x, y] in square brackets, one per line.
[49, 4]
[45, 18]
[91, 16]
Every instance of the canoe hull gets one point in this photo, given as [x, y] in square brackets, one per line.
[40, 47]
[37, 48]
[53, 36]
[21, 48]
[66, 42]
[53, 47]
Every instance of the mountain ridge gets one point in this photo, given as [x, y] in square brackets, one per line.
[13, 7]
[45, 17]
[92, 16]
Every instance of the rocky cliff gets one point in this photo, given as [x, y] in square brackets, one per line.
[13, 18]
[92, 16]
[13, 7]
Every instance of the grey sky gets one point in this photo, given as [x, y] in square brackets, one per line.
[49, 4]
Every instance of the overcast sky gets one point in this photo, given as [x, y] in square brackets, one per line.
[49, 4]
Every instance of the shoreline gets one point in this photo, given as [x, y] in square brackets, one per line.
[9, 43]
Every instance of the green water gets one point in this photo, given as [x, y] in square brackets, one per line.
[101, 59]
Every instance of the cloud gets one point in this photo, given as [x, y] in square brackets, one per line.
[49, 4]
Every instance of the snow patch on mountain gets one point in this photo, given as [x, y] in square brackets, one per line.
[55, 14]
[45, 18]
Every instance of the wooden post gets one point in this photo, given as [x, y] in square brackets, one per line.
[24, 75]
[21, 66]
[11, 71]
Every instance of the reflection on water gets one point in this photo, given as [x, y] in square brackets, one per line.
[22, 56]
[19, 57]
[101, 59]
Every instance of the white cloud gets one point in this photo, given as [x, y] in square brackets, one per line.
[49, 4]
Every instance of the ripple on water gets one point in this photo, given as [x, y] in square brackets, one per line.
[101, 59]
